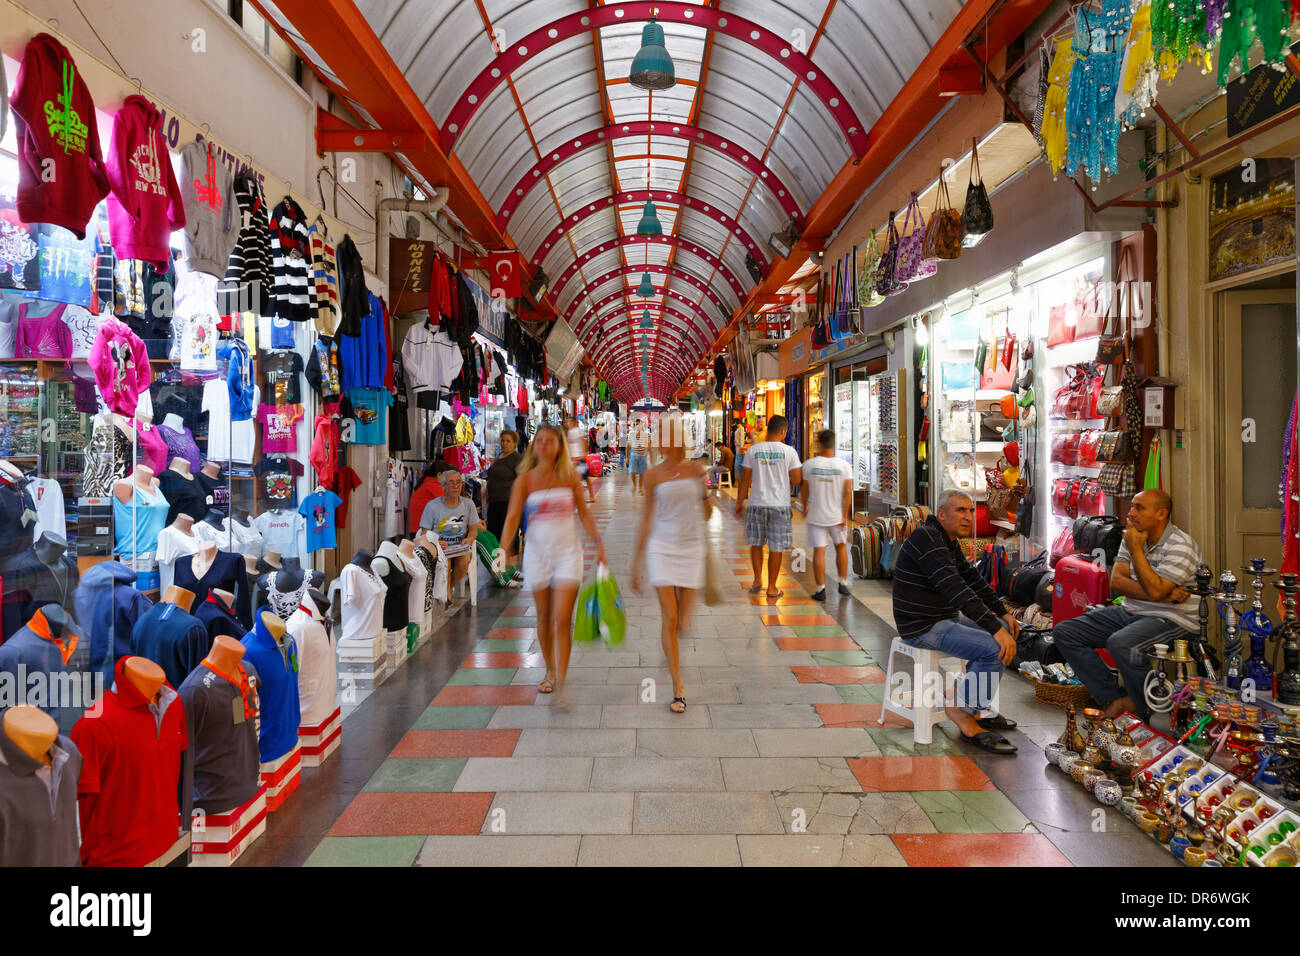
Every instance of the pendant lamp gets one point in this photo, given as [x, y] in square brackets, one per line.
[647, 288]
[646, 321]
[649, 224]
[652, 67]
[645, 341]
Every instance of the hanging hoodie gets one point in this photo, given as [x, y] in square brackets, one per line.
[247, 286]
[145, 206]
[294, 296]
[61, 175]
[121, 366]
[211, 213]
[352, 288]
[239, 379]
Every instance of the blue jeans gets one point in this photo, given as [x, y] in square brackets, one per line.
[962, 637]
[1127, 637]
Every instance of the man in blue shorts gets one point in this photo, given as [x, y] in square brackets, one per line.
[638, 443]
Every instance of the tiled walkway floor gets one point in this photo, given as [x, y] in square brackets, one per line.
[778, 760]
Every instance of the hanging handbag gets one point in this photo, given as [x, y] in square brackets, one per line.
[821, 337]
[1090, 498]
[1117, 479]
[957, 375]
[868, 296]
[1088, 440]
[837, 324]
[913, 265]
[1114, 446]
[1090, 312]
[1028, 502]
[1110, 401]
[1112, 349]
[1062, 547]
[977, 222]
[886, 281]
[996, 375]
[943, 235]
[1060, 325]
[1061, 496]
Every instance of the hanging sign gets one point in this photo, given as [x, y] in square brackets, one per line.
[410, 274]
[503, 268]
[1259, 95]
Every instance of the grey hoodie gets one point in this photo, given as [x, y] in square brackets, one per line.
[211, 214]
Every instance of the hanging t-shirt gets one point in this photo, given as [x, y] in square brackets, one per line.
[279, 531]
[278, 476]
[47, 495]
[281, 333]
[282, 370]
[345, 482]
[279, 428]
[826, 478]
[227, 441]
[369, 414]
[67, 265]
[395, 498]
[319, 508]
[20, 266]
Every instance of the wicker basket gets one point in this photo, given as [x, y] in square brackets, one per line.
[1062, 695]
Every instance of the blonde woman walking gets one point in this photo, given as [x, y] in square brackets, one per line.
[548, 499]
[670, 542]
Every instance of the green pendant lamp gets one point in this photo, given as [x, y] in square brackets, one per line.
[649, 224]
[646, 321]
[652, 67]
[647, 288]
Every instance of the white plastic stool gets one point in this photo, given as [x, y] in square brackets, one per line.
[921, 714]
[724, 479]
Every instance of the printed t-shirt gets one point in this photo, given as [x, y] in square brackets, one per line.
[369, 415]
[279, 531]
[826, 478]
[226, 441]
[279, 427]
[278, 476]
[771, 463]
[319, 510]
[451, 522]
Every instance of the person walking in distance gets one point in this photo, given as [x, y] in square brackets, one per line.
[827, 497]
[670, 542]
[577, 440]
[770, 470]
[638, 454]
[548, 496]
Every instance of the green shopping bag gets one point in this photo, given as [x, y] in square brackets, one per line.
[609, 604]
[586, 618]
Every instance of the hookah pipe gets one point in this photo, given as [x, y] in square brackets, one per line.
[1286, 683]
[1205, 590]
[1256, 623]
[1227, 599]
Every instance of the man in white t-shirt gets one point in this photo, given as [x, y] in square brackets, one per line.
[827, 498]
[770, 470]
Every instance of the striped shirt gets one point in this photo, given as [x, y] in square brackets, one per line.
[1175, 558]
[933, 582]
[325, 272]
[248, 273]
[293, 296]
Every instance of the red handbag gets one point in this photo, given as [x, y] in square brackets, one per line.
[1063, 546]
[1060, 325]
[1088, 446]
[1091, 500]
[1061, 497]
[983, 523]
[1091, 313]
[1065, 448]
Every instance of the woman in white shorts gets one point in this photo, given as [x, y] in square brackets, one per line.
[549, 494]
[671, 543]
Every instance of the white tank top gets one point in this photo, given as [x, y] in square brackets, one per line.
[577, 442]
[551, 512]
[679, 516]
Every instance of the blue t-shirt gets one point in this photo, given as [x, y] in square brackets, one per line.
[67, 265]
[318, 508]
[369, 415]
[281, 333]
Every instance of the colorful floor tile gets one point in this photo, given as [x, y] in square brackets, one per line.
[892, 774]
[978, 849]
[457, 743]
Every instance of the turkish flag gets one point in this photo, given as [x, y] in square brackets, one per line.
[504, 270]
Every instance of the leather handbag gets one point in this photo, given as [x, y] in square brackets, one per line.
[1088, 440]
[1114, 446]
[868, 297]
[1063, 546]
[1110, 401]
[913, 266]
[977, 221]
[1117, 478]
[1065, 449]
[1091, 501]
[1061, 496]
[996, 375]
[1112, 348]
[1093, 533]
[886, 278]
[1091, 313]
[943, 235]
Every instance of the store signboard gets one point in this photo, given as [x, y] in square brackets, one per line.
[410, 274]
[1261, 94]
[794, 352]
[835, 348]
[491, 314]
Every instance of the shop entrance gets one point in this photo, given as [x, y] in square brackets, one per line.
[1257, 336]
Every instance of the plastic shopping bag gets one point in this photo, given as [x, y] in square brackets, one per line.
[586, 618]
[609, 604]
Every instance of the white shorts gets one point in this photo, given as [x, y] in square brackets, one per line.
[546, 565]
[820, 535]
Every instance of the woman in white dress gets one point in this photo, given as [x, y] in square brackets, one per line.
[670, 542]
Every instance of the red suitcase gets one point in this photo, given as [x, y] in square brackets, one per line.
[594, 465]
[1077, 586]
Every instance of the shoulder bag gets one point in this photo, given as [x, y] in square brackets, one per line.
[943, 235]
[978, 218]
[868, 296]
[886, 280]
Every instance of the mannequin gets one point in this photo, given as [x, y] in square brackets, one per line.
[275, 656]
[134, 742]
[182, 467]
[10, 470]
[363, 597]
[210, 469]
[142, 478]
[362, 558]
[38, 777]
[17, 510]
[273, 558]
[182, 598]
[49, 644]
[222, 702]
[184, 524]
[318, 669]
[211, 568]
[170, 636]
[140, 510]
[389, 566]
[184, 492]
[415, 598]
[217, 614]
[203, 559]
[283, 590]
[175, 540]
[224, 598]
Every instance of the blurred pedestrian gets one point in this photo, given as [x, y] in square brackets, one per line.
[578, 449]
[638, 454]
[827, 497]
[770, 470]
[670, 542]
[548, 497]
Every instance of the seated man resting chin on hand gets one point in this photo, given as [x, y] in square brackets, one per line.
[1156, 559]
[942, 604]
[456, 523]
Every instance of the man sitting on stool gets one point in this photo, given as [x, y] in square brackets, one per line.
[1156, 555]
[942, 604]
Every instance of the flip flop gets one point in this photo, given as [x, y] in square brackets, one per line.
[682, 700]
[779, 593]
[997, 722]
[755, 590]
[993, 743]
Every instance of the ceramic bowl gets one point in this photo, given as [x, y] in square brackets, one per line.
[1090, 778]
[1195, 856]
[1068, 760]
[1147, 821]
[1126, 805]
[1164, 833]
[1210, 861]
[1178, 846]
[1107, 792]
[1079, 768]
[1054, 751]
[1282, 856]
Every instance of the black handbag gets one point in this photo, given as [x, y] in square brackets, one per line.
[1043, 593]
[1025, 511]
[1093, 533]
[977, 220]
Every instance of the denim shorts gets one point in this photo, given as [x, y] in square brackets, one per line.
[637, 464]
[768, 526]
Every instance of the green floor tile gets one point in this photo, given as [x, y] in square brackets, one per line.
[366, 851]
[843, 658]
[508, 621]
[482, 676]
[819, 630]
[900, 742]
[861, 693]
[454, 718]
[416, 775]
[496, 645]
[972, 811]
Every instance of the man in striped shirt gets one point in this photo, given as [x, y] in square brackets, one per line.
[1151, 568]
[941, 603]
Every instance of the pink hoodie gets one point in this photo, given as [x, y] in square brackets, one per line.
[121, 366]
[145, 206]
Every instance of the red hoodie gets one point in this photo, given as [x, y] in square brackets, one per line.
[61, 175]
[145, 206]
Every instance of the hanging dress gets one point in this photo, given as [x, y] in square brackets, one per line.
[1094, 83]
[1053, 133]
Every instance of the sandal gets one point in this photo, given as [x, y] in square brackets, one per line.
[755, 590]
[678, 700]
[997, 722]
[993, 743]
[779, 593]
[547, 686]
